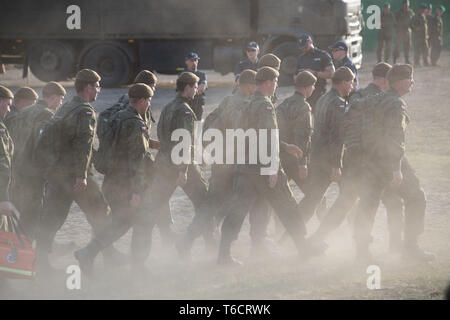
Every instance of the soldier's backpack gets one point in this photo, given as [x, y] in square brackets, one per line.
[106, 115]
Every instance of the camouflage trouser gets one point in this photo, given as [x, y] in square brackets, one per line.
[248, 188]
[436, 48]
[402, 39]
[373, 181]
[384, 41]
[420, 51]
[58, 200]
[27, 196]
[219, 197]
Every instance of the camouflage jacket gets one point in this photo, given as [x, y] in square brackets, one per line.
[327, 140]
[6, 154]
[403, 20]
[175, 115]
[371, 89]
[295, 122]
[11, 122]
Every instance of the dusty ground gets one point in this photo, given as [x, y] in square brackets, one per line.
[283, 276]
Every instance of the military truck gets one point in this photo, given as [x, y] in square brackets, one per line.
[117, 38]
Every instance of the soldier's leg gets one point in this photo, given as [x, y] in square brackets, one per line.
[425, 52]
[259, 218]
[398, 43]
[33, 193]
[436, 49]
[417, 52]
[387, 51]
[380, 46]
[407, 46]
[394, 213]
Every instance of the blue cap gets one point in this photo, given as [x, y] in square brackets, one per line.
[252, 45]
[340, 45]
[303, 40]
[191, 56]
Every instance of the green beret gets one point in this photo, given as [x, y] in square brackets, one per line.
[140, 90]
[26, 93]
[381, 69]
[400, 72]
[87, 75]
[423, 5]
[52, 88]
[269, 60]
[429, 5]
[247, 76]
[386, 4]
[442, 8]
[305, 79]
[5, 93]
[146, 77]
[343, 74]
[188, 77]
[266, 73]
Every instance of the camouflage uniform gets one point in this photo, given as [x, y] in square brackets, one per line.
[385, 35]
[29, 182]
[75, 162]
[6, 155]
[420, 34]
[384, 158]
[11, 122]
[435, 28]
[403, 33]
[327, 148]
[198, 103]
[250, 185]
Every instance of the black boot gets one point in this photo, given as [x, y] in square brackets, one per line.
[86, 257]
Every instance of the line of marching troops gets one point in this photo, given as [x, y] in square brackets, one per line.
[426, 28]
[47, 157]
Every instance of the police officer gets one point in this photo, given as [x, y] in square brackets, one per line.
[318, 62]
[420, 34]
[251, 63]
[28, 186]
[199, 100]
[384, 164]
[125, 183]
[403, 19]
[341, 59]
[436, 35]
[385, 33]
[250, 183]
[327, 141]
[71, 179]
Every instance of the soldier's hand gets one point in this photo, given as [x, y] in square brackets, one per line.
[302, 172]
[135, 200]
[294, 150]
[80, 184]
[273, 180]
[335, 174]
[397, 178]
[182, 179]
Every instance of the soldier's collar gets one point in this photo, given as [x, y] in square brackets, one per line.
[296, 93]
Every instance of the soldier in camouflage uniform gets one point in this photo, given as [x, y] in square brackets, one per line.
[384, 164]
[420, 34]
[28, 186]
[250, 184]
[198, 102]
[435, 29]
[71, 179]
[385, 33]
[125, 183]
[402, 31]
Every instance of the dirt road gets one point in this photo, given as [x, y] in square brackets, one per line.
[282, 276]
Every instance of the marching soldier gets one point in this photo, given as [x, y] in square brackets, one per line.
[403, 19]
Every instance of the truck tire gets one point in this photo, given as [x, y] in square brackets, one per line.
[110, 61]
[288, 53]
[51, 60]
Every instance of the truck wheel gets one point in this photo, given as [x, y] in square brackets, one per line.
[111, 63]
[51, 60]
[288, 53]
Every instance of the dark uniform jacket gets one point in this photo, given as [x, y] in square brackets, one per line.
[346, 62]
[316, 60]
[6, 154]
[327, 140]
[295, 122]
[243, 65]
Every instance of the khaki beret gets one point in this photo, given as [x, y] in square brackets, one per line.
[269, 60]
[5, 93]
[188, 77]
[140, 90]
[247, 76]
[343, 74]
[381, 69]
[52, 88]
[146, 77]
[26, 93]
[266, 73]
[305, 79]
[87, 75]
[400, 72]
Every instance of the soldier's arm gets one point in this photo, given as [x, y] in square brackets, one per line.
[82, 142]
[336, 115]
[5, 168]
[267, 119]
[303, 133]
[185, 120]
[395, 125]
